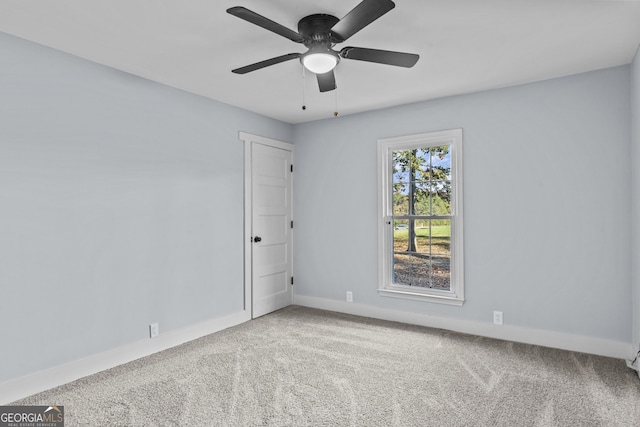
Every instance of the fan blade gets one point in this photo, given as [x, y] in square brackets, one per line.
[361, 16]
[398, 59]
[266, 63]
[261, 21]
[326, 81]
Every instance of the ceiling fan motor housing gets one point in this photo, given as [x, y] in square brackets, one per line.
[316, 29]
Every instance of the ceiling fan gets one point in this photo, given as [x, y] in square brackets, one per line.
[320, 33]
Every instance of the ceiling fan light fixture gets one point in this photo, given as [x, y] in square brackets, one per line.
[320, 62]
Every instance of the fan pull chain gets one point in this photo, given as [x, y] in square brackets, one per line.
[304, 105]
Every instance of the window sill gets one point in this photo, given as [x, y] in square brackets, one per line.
[421, 296]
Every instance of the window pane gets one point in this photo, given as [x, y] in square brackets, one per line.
[441, 197]
[400, 176]
[401, 269]
[441, 254]
[421, 165]
[441, 237]
[400, 235]
[441, 272]
[400, 199]
[402, 161]
[423, 236]
[421, 270]
[422, 199]
[440, 162]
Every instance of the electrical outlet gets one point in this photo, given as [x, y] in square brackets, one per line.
[349, 296]
[497, 318]
[154, 330]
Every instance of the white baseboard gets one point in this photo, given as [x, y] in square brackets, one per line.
[559, 340]
[19, 388]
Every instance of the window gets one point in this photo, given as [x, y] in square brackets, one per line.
[420, 217]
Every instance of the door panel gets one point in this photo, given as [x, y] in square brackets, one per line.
[271, 222]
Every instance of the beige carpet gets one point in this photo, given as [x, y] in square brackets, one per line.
[305, 367]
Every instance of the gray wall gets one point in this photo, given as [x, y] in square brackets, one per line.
[547, 206]
[121, 204]
[635, 197]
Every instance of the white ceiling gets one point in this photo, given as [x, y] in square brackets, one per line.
[464, 46]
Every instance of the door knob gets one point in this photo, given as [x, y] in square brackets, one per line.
[257, 239]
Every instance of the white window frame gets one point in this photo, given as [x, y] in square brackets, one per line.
[452, 138]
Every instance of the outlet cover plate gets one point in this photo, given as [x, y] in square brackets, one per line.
[497, 318]
[154, 330]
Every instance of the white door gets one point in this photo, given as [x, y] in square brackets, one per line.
[271, 227]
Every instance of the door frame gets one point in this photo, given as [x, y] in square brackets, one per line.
[249, 140]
